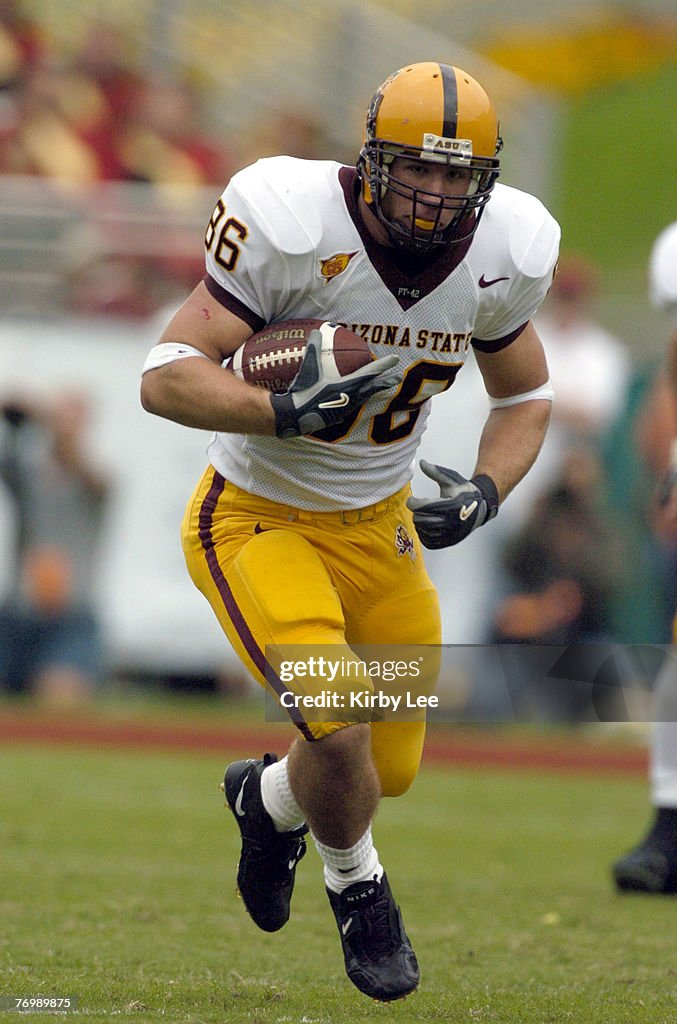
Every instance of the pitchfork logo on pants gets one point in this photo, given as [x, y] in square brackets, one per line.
[404, 543]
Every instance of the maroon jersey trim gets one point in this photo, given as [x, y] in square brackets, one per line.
[227, 299]
[498, 343]
[409, 276]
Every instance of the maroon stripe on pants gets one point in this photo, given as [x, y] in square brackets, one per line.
[235, 614]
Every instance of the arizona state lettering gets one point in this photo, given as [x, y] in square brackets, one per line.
[400, 337]
[444, 341]
[383, 334]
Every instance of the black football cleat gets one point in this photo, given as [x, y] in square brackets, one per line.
[268, 859]
[378, 955]
[646, 869]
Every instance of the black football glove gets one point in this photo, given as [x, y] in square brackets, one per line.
[313, 402]
[463, 505]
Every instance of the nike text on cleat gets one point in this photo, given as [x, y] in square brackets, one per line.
[467, 511]
[378, 956]
[267, 868]
[335, 403]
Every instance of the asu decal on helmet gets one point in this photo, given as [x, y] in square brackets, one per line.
[430, 112]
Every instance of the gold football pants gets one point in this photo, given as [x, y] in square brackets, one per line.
[277, 575]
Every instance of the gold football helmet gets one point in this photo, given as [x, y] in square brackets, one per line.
[430, 112]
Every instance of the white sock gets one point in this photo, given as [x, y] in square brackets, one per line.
[359, 863]
[664, 740]
[278, 798]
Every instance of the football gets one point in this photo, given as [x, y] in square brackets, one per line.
[271, 358]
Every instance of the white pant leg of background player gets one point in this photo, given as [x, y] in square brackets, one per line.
[664, 740]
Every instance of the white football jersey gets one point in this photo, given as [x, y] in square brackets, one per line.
[663, 270]
[286, 240]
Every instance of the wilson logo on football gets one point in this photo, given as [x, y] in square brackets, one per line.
[280, 334]
[404, 543]
[335, 265]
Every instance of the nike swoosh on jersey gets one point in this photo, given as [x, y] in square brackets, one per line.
[346, 925]
[467, 510]
[336, 403]
[483, 283]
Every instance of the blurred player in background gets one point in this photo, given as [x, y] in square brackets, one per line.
[590, 369]
[590, 365]
[50, 637]
[302, 530]
[652, 866]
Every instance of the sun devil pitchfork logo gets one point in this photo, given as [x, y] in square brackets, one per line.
[404, 543]
[335, 265]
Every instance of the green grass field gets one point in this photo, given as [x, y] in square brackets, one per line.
[117, 887]
[606, 210]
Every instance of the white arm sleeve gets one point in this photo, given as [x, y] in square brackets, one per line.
[169, 352]
[545, 392]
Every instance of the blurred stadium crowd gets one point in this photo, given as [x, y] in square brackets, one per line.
[88, 118]
[575, 556]
[93, 116]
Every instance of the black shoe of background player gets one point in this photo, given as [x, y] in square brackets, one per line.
[378, 955]
[652, 866]
[267, 868]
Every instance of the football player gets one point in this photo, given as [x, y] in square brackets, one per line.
[302, 530]
[651, 867]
